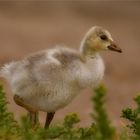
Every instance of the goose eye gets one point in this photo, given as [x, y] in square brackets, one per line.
[103, 37]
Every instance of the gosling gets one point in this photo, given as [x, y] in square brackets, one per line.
[50, 79]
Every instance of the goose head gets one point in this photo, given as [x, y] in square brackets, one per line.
[98, 39]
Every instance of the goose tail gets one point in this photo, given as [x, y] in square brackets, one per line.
[6, 71]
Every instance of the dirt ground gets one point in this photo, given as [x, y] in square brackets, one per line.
[27, 27]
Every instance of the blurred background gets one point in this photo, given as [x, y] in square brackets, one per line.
[30, 26]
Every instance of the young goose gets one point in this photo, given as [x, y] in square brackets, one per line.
[50, 79]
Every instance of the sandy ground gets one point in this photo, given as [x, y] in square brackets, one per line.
[27, 28]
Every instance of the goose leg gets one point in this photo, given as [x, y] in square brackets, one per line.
[49, 119]
[33, 114]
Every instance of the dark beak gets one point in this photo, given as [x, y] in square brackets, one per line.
[114, 47]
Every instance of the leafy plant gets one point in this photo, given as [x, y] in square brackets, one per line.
[133, 115]
[104, 130]
[8, 125]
